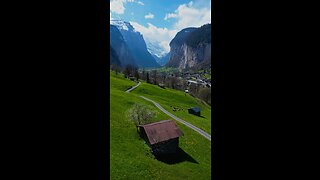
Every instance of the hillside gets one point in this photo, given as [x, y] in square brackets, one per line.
[130, 157]
[114, 59]
[120, 48]
[135, 43]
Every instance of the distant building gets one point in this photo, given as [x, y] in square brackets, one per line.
[195, 111]
[161, 85]
[162, 137]
[192, 82]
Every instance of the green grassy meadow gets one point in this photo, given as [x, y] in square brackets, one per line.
[170, 97]
[131, 158]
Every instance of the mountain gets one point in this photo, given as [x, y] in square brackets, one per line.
[114, 59]
[120, 48]
[158, 53]
[162, 60]
[136, 44]
[191, 48]
[155, 49]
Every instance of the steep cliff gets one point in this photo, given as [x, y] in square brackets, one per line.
[136, 44]
[191, 48]
[114, 57]
[120, 47]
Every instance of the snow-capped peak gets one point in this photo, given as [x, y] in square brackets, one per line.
[155, 49]
[122, 25]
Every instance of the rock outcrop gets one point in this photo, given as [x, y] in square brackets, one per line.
[120, 47]
[136, 44]
[191, 48]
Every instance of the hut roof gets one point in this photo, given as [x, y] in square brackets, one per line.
[195, 109]
[161, 131]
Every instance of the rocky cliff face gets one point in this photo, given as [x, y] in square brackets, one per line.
[120, 48]
[191, 48]
[136, 44]
[114, 57]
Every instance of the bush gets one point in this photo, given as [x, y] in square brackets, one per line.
[205, 94]
[141, 114]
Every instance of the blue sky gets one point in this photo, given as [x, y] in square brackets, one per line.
[160, 20]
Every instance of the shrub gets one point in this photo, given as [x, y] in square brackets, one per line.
[141, 114]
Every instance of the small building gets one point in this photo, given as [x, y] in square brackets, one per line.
[192, 82]
[161, 85]
[131, 78]
[162, 137]
[195, 111]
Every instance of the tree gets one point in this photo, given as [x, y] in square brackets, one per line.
[141, 114]
[143, 74]
[164, 78]
[173, 82]
[136, 74]
[127, 71]
[113, 67]
[205, 94]
[193, 89]
[148, 80]
[117, 70]
[154, 76]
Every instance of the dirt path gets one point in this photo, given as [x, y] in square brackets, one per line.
[133, 87]
[200, 131]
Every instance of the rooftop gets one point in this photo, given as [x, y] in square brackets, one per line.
[161, 131]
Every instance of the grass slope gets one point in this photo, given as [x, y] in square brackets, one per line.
[130, 157]
[170, 97]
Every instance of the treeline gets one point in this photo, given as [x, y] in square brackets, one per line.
[164, 80]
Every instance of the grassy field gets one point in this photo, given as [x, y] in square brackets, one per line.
[169, 98]
[130, 157]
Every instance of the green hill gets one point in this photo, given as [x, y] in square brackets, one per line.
[131, 158]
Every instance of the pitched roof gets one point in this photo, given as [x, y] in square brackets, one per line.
[196, 109]
[161, 131]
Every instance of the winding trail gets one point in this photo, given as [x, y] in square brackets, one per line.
[200, 131]
[133, 87]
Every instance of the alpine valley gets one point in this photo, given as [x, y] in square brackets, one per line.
[189, 49]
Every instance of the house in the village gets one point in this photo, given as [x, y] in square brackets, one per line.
[162, 136]
[192, 82]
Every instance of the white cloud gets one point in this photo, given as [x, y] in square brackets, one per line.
[153, 34]
[141, 3]
[117, 6]
[149, 16]
[190, 15]
[170, 15]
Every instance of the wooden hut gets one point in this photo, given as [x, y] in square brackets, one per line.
[162, 136]
[195, 111]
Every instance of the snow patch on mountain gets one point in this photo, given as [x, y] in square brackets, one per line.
[155, 49]
[122, 25]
